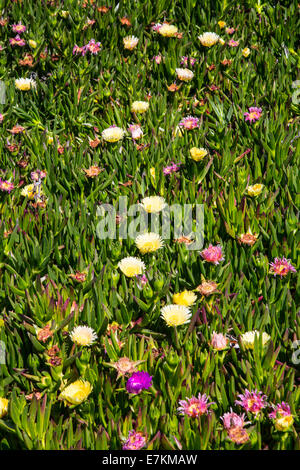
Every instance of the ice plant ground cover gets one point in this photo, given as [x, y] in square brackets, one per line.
[147, 344]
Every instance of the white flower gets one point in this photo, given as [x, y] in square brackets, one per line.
[25, 84]
[184, 74]
[208, 39]
[148, 242]
[176, 315]
[153, 204]
[249, 336]
[83, 335]
[113, 134]
[131, 266]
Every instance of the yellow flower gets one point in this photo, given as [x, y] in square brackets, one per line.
[1, 323]
[130, 42]
[50, 139]
[186, 298]
[249, 336]
[176, 315]
[153, 204]
[168, 30]
[222, 24]
[139, 106]
[83, 335]
[284, 423]
[152, 172]
[184, 74]
[255, 190]
[113, 134]
[246, 52]
[32, 43]
[198, 154]
[25, 84]
[221, 41]
[208, 39]
[29, 191]
[64, 13]
[148, 242]
[3, 407]
[131, 266]
[76, 393]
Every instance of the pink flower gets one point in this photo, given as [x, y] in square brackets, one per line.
[213, 254]
[17, 41]
[172, 168]
[281, 267]
[142, 279]
[194, 407]
[189, 122]
[38, 174]
[79, 50]
[233, 420]
[233, 43]
[219, 341]
[18, 28]
[157, 59]
[156, 27]
[282, 409]
[230, 30]
[1, 117]
[185, 60]
[252, 401]
[135, 441]
[136, 131]
[6, 186]
[93, 46]
[253, 114]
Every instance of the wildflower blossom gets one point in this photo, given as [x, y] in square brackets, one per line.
[248, 338]
[186, 298]
[18, 28]
[189, 122]
[194, 406]
[222, 24]
[76, 393]
[279, 410]
[167, 30]
[281, 267]
[184, 74]
[136, 131]
[198, 154]
[253, 115]
[233, 420]
[125, 366]
[208, 39]
[130, 42]
[17, 41]
[25, 84]
[153, 204]
[139, 106]
[148, 242]
[230, 30]
[6, 186]
[248, 238]
[135, 441]
[238, 435]
[233, 43]
[176, 315]
[207, 287]
[3, 407]
[83, 335]
[246, 52]
[255, 190]
[219, 342]
[213, 254]
[131, 266]
[253, 401]
[93, 171]
[171, 169]
[138, 381]
[93, 46]
[113, 134]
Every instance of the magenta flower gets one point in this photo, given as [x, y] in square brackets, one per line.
[93, 46]
[213, 254]
[189, 122]
[18, 28]
[233, 43]
[156, 27]
[280, 410]
[17, 41]
[79, 50]
[194, 407]
[233, 420]
[142, 279]
[135, 441]
[6, 186]
[1, 117]
[281, 267]
[172, 168]
[252, 401]
[138, 381]
[253, 114]
[185, 60]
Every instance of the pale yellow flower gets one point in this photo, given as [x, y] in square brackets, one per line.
[221, 41]
[208, 39]
[148, 242]
[130, 42]
[139, 106]
[131, 266]
[83, 335]
[249, 337]
[184, 74]
[246, 52]
[25, 84]
[176, 315]
[152, 172]
[3, 407]
[30, 191]
[284, 423]
[168, 30]
[76, 392]
[153, 204]
[198, 154]
[186, 298]
[113, 134]
[32, 43]
[255, 190]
